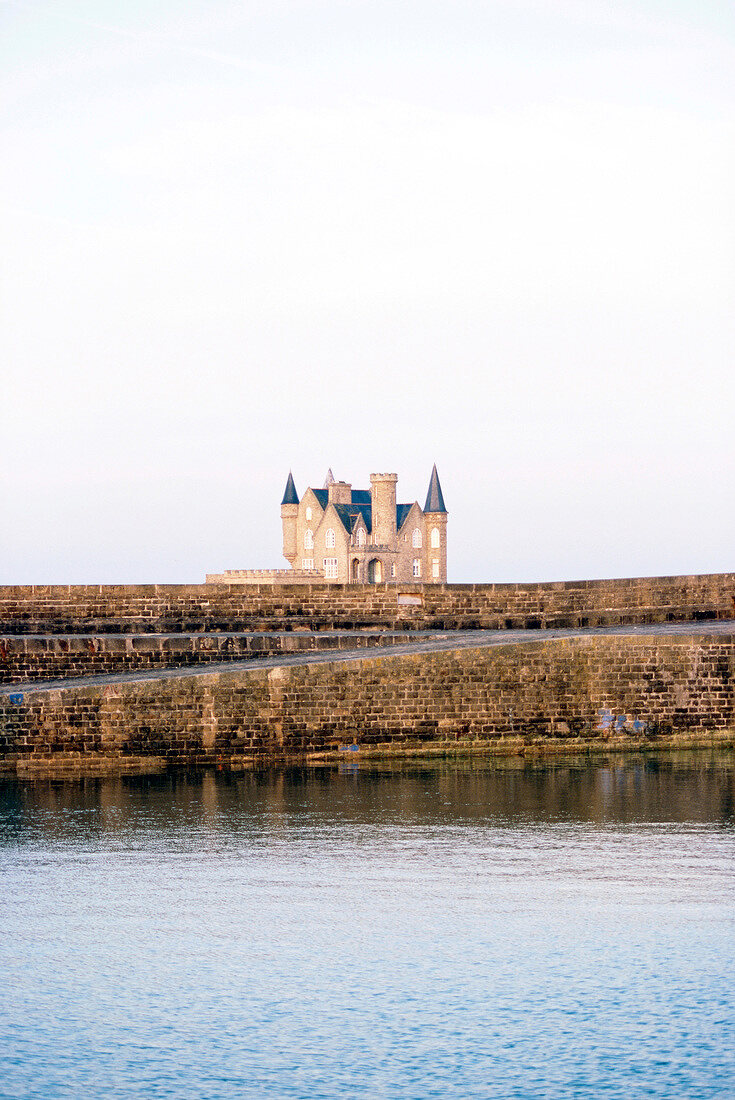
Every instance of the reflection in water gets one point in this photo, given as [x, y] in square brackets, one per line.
[688, 786]
[473, 928]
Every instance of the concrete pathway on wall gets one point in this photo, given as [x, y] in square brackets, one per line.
[419, 642]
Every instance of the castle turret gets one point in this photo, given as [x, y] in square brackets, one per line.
[435, 533]
[289, 518]
[383, 495]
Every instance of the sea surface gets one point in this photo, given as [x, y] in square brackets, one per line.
[472, 929]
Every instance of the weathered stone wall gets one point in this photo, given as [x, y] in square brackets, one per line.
[29, 657]
[545, 694]
[125, 609]
[265, 576]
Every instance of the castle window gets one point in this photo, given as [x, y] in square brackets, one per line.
[361, 536]
[416, 539]
[308, 539]
[308, 514]
[435, 538]
[392, 569]
[307, 563]
[330, 568]
[435, 569]
[417, 567]
[330, 540]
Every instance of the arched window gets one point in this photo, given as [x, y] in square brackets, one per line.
[308, 514]
[329, 540]
[435, 538]
[417, 567]
[361, 536]
[416, 539]
[308, 539]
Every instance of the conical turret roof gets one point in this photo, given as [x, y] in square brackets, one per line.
[434, 498]
[290, 496]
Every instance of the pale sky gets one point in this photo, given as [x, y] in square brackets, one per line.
[239, 238]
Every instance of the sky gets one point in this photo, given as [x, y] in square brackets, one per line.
[243, 238]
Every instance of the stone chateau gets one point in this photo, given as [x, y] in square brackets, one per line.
[357, 536]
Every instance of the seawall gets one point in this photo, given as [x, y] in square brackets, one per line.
[32, 657]
[166, 609]
[541, 695]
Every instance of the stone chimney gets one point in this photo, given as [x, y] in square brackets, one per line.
[340, 492]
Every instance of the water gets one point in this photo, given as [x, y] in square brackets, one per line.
[453, 930]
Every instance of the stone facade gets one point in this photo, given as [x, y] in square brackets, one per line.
[357, 536]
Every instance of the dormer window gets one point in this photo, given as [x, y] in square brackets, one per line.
[360, 539]
[330, 540]
[308, 539]
[416, 539]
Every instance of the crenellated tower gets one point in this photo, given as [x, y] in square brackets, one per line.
[383, 495]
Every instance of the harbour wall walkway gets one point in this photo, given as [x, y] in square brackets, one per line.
[181, 609]
[503, 692]
[25, 658]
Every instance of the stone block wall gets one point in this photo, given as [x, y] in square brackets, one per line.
[265, 576]
[126, 609]
[30, 657]
[552, 695]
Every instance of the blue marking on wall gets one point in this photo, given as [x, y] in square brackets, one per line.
[610, 721]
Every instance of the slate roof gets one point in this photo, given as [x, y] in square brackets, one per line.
[434, 498]
[290, 496]
[349, 516]
[349, 513]
[402, 511]
[344, 514]
[362, 506]
[364, 510]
